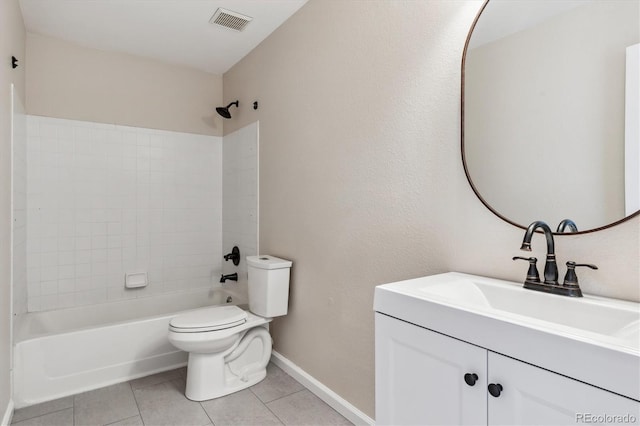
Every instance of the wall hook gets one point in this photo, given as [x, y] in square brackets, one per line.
[255, 105]
[14, 62]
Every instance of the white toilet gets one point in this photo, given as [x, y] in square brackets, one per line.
[229, 348]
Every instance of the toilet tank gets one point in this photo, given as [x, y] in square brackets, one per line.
[268, 285]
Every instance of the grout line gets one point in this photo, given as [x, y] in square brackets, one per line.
[136, 401]
[271, 411]
[329, 397]
[264, 404]
[126, 418]
[178, 376]
[255, 394]
[302, 390]
[286, 396]
[138, 408]
[41, 415]
[205, 412]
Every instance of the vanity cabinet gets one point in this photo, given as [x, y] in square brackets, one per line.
[420, 377]
[427, 378]
[535, 396]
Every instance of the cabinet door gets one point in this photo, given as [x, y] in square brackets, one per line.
[534, 396]
[420, 377]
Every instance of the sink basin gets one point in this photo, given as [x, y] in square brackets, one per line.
[614, 320]
[593, 339]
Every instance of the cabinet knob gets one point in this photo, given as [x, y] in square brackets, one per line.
[470, 378]
[495, 389]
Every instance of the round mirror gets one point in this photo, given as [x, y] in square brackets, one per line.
[551, 111]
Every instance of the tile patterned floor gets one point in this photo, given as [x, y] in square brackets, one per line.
[159, 400]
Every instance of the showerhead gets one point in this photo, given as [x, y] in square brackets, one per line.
[224, 111]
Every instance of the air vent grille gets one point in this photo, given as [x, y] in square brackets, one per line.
[228, 19]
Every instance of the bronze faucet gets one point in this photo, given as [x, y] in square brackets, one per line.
[550, 266]
[570, 285]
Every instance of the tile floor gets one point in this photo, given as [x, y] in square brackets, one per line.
[160, 400]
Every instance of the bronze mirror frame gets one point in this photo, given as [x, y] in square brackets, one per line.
[464, 161]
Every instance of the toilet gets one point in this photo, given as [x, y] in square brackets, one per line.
[229, 348]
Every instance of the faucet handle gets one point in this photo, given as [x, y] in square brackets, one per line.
[532, 273]
[234, 256]
[570, 278]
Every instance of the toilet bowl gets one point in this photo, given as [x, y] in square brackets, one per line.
[229, 348]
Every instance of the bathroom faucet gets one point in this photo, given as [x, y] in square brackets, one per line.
[231, 277]
[570, 285]
[550, 266]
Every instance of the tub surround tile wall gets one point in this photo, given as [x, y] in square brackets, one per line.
[19, 202]
[106, 199]
[240, 198]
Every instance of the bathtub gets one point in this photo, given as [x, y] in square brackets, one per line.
[64, 352]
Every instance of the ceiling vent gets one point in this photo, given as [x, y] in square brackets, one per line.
[228, 19]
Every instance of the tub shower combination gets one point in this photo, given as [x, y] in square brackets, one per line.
[63, 352]
[101, 202]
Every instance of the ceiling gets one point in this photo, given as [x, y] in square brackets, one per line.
[175, 31]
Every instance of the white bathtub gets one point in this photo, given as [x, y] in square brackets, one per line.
[64, 352]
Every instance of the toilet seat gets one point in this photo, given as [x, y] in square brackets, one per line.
[208, 319]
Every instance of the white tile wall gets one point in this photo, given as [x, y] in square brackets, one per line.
[240, 197]
[19, 203]
[105, 199]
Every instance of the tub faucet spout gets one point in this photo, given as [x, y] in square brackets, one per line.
[232, 277]
[550, 266]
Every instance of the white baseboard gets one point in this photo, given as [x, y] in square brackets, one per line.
[8, 414]
[334, 400]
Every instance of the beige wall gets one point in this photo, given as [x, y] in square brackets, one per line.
[12, 42]
[361, 180]
[79, 83]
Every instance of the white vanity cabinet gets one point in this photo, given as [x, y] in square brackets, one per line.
[420, 380]
[420, 377]
[534, 396]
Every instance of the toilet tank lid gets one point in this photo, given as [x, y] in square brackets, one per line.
[265, 261]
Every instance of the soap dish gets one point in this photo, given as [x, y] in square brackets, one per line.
[135, 280]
